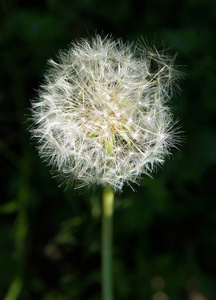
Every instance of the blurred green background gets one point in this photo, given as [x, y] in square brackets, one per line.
[165, 233]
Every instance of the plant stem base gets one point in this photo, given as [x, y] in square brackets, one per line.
[107, 216]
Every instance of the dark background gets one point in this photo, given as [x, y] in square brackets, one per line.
[165, 233]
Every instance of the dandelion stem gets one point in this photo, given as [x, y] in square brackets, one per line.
[107, 215]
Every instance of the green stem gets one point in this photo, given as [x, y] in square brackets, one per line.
[107, 216]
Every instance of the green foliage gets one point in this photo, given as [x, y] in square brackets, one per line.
[164, 233]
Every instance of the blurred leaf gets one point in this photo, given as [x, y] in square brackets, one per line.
[9, 208]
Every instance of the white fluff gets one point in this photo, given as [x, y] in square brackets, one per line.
[102, 116]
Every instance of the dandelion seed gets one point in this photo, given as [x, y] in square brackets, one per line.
[101, 116]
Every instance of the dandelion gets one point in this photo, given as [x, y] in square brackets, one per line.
[102, 117]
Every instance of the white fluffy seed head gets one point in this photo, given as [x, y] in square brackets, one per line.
[101, 116]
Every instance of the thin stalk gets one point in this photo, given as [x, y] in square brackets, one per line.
[107, 216]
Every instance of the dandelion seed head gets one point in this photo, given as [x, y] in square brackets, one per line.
[101, 116]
